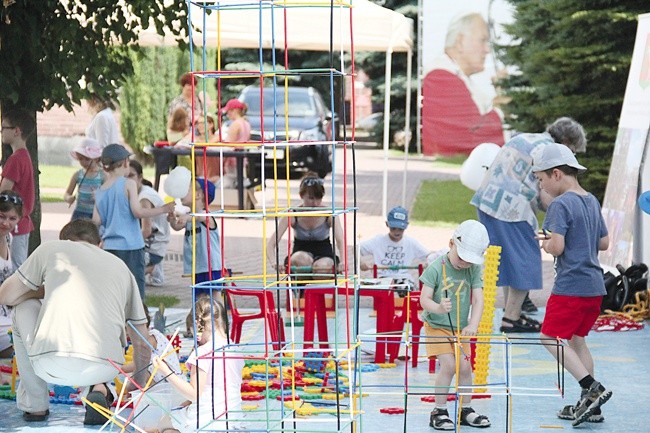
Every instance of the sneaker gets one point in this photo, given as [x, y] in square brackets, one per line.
[36, 417]
[469, 417]
[440, 420]
[592, 399]
[94, 417]
[528, 306]
[568, 412]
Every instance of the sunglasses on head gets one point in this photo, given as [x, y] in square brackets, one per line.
[11, 199]
[311, 181]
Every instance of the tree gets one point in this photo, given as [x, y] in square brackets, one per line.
[574, 58]
[56, 53]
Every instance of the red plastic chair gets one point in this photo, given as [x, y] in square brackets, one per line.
[272, 321]
[410, 309]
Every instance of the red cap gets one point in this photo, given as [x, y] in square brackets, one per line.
[233, 104]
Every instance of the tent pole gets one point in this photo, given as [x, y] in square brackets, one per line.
[407, 123]
[389, 60]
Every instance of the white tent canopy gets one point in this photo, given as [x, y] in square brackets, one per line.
[241, 24]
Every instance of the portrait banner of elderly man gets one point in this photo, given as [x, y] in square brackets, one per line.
[458, 109]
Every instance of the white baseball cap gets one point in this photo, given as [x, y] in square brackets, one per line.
[554, 155]
[471, 240]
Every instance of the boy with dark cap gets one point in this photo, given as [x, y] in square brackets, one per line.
[117, 210]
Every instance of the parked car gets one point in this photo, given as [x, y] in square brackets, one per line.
[309, 119]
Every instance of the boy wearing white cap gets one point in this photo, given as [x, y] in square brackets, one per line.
[393, 252]
[574, 232]
[452, 284]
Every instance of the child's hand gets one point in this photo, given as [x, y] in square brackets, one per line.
[161, 365]
[445, 305]
[69, 199]
[543, 235]
[469, 330]
[168, 207]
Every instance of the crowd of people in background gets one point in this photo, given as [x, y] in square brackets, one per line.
[120, 227]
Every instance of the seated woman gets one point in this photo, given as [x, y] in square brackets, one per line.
[177, 126]
[312, 247]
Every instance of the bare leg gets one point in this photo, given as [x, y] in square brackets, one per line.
[571, 360]
[515, 299]
[579, 345]
[447, 371]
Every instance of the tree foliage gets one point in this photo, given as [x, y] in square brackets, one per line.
[574, 58]
[55, 52]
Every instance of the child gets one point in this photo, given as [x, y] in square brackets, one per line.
[117, 210]
[452, 283]
[11, 211]
[207, 232]
[215, 375]
[155, 231]
[394, 250]
[159, 343]
[577, 232]
[89, 178]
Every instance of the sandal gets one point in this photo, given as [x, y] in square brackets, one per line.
[440, 420]
[469, 417]
[521, 325]
[568, 412]
[530, 320]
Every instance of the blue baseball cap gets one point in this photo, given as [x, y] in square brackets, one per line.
[211, 188]
[398, 218]
[644, 202]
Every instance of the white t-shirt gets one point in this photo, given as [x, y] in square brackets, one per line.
[103, 128]
[389, 253]
[90, 294]
[212, 365]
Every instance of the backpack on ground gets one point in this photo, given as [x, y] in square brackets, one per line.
[622, 288]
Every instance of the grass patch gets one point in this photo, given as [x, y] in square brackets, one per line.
[449, 161]
[51, 198]
[58, 176]
[167, 300]
[443, 203]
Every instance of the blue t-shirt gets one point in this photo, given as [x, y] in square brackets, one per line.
[121, 229]
[201, 259]
[578, 218]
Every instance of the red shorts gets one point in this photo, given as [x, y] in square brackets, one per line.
[567, 316]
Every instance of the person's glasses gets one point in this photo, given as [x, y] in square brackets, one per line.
[311, 181]
[8, 127]
[11, 199]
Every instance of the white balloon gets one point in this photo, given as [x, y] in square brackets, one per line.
[177, 184]
[477, 164]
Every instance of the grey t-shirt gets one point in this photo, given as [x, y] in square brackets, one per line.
[578, 218]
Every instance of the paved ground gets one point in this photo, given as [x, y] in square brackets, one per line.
[244, 238]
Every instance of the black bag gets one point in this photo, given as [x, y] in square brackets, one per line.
[622, 288]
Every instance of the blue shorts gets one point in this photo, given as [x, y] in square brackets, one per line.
[134, 260]
[521, 258]
[153, 259]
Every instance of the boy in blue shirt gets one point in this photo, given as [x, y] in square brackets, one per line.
[118, 209]
[574, 232]
[452, 284]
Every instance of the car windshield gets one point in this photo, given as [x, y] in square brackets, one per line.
[300, 104]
